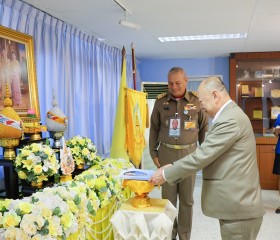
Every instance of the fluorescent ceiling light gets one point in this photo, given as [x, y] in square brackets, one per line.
[204, 37]
[130, 24]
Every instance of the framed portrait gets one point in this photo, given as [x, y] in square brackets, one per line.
[17, 71]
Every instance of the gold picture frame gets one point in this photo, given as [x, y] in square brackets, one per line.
[17, 69]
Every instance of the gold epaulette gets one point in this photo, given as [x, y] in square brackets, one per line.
[161, 95]
[194, 93]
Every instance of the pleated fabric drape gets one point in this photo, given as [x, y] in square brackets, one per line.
[83, 71]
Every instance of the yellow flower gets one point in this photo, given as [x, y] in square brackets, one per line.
[90, 182]
[73, 207]
[41, 178]
[25, 152]
[46, 213]
[48, 151]
[35, 147]
[38, 169]
[5, 204]
[10, 219]
[93, 155]
[75, 150]
[22, 175]
[18, 161]
[52, 229]
[28, 163]
[79, 160]
[66, 219]
[85, 151]
[25, 207]
[99, 183]
[81, 141]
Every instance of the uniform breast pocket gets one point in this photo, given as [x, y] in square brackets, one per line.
[166, 121]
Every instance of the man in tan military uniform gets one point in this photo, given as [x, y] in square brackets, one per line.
[177, 124]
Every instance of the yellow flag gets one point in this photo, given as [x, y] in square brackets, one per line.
[135, 124]
[118, 148]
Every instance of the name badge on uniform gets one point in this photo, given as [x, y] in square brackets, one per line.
[189, 125]
[174, 127]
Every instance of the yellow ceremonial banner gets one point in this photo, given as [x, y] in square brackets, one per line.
[118, 148]
[135, 124]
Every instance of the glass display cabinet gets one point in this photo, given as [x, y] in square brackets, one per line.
[255, 86]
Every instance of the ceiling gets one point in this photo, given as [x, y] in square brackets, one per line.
[165, 18]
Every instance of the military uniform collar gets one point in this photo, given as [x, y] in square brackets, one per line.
[186, 96]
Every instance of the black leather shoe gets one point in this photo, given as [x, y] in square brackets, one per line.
[277, 210]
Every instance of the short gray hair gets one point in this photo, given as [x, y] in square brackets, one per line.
[176, 70]
[214, 83]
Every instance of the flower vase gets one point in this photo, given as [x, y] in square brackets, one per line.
[36, 184]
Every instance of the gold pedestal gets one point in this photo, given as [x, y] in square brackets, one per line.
[37, 185]
[141, 190]
[65, 178]
[9, 145]
[35, 136]
[80, 166]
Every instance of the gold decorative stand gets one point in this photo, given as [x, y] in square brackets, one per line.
[9, 145]
[80, 166]
[65, 178]
[141, 190]
[37, 185]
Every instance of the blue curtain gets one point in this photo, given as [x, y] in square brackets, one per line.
[83, 71]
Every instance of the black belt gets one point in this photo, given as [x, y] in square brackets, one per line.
[178, 147]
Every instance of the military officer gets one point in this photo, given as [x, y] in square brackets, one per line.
[177, 125]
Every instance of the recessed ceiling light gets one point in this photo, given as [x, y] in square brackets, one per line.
[204, 37]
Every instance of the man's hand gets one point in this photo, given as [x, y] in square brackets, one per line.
[157, 178]
[156, 162]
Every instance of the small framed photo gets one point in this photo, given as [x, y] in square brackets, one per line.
[274, 112]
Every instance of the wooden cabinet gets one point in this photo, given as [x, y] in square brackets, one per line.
[266, 154]
[255, 86]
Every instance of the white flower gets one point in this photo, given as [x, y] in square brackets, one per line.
[28, 224]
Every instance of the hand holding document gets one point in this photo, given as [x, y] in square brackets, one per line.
[157, 178]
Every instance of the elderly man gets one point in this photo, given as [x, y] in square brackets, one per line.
[231, 190]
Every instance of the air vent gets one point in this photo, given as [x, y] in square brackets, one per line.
[154, 89]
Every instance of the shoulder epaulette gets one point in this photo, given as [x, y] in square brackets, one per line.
[194, 93]
[161, 95]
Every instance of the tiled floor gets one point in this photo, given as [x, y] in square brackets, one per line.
[205, 228]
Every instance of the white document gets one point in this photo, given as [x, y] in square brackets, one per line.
[137, 174]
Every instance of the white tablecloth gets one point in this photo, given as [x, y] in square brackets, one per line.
[151, 223]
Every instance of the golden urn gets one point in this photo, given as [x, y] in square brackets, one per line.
[10, 127]
[141, 190]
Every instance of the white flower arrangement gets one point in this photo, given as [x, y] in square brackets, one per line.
[63, 210]
[36, 162]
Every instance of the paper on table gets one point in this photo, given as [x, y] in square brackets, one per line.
[137, 174]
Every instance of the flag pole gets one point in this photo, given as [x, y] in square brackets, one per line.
[133, 66]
